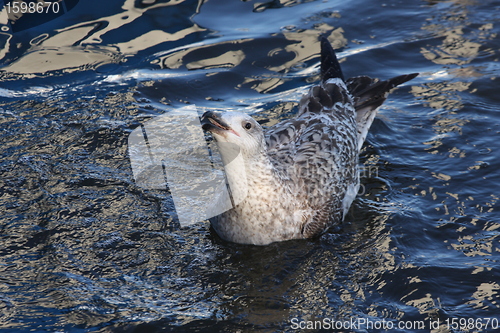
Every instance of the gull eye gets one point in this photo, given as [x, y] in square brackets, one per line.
[248, 126]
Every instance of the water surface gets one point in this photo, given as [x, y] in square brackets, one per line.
[84, 249]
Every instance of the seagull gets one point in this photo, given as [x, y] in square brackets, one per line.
[301, 174]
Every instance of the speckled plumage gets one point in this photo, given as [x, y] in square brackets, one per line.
[302, 174]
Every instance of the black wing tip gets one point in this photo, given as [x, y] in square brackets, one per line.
[396, 81]
[408, 77]
[330, 67]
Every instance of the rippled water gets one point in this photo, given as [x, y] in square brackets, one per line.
[85, 249]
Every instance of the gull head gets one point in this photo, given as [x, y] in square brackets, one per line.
[236, 128]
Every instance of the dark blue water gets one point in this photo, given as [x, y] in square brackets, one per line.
[83, 249]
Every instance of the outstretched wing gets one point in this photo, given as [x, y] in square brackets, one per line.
[369, 94]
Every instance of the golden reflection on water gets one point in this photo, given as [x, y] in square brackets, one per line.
[441, 95]
[304, 46]
[80, 45]
[456, 49]
[221, 55]
[487, 294]
[456, 45]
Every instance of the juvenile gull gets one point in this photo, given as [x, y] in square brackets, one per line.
[302, 173]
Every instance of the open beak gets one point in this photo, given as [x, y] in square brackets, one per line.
[212, 121]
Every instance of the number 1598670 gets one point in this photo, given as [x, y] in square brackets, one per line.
[43, 7]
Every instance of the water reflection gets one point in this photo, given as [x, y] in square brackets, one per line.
[83, 46]
[486, 296]
[308, 280]
[83, 246]
[441, 95]
[271, 61]
[451, 196]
